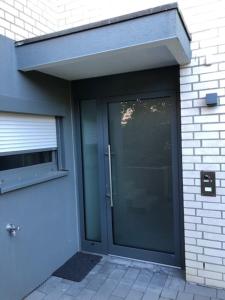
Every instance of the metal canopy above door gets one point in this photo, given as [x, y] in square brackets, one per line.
[143, 40]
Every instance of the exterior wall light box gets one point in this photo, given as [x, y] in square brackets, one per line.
[211, 99]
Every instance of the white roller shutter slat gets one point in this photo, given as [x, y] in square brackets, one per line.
[22, 132]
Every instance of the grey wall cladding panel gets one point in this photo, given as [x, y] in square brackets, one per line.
[33, 87]
[46, 212]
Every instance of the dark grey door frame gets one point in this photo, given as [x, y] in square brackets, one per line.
[106, 246]
[87, 245]
[163, 82]
[160, 257]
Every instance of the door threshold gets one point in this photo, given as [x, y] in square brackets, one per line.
[122, 260]
[135, 261]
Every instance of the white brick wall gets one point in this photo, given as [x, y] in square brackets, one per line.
[204, 146]
[203, 128]
[20, 19]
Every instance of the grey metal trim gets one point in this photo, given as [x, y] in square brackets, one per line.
[87, 245]
[60, 143]
[27, 151]
[180, 179]
[29, 182]
[22, 105]
[29, 170]
[110, 176]
[107, 22]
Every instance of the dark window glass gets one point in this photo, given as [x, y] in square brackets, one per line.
[24, 160]
[141, 142]
[90, 169]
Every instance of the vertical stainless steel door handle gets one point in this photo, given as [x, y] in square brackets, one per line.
[110, 176]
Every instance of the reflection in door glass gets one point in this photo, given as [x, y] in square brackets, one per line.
[140, 138]
[90, 170]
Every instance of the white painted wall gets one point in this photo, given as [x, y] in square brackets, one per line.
[203, 128]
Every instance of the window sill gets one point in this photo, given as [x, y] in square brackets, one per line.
[12, 186]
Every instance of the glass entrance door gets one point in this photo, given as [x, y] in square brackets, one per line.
[141, 167]
[136, 150]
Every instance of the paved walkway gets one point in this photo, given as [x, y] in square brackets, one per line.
[118, 279]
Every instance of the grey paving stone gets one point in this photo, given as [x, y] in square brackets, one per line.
[198, 297]
[177, 273]
[66, 281]
[49, 285]
[126, 280]
[134, 295]
[147, 272]
[85, 281]
[185, 296]
[171, 271]
[36, 295]
[131, 274]
[112, 297]
[142, 281]
[54, 280]
[165, 269]
[67, 297]
[117, 274]
[221, 294]
[122, 267]
[85, 294]
[74, 289]
[155, 289]
[54, 295]
[104, 259]
[168, 281]
[142, 265]
[177, 284]
[122, 289]
[151, 295]
[169, 293]
[159, 279]
[96, 269]
[64, 286]
[57, 292]
[106, 289]
[96, 282]
[200, 290]
[107, 268]
[121, 261]
[89, 277]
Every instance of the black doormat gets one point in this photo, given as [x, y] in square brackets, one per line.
[78, 266]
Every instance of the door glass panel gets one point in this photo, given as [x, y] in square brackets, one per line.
[140, 138]
[90, 170]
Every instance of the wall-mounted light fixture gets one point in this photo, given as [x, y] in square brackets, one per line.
[211, 99]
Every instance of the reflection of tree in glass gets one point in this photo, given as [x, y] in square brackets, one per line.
[126, 112]
[128, 109]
